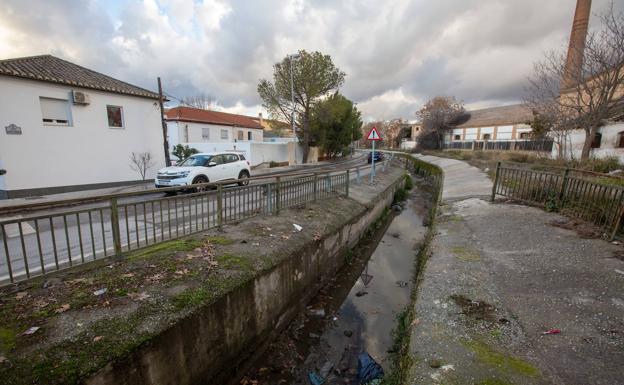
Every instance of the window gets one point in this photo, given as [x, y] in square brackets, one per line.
[115, 116]
[218, 159]
[457, 137]
[597, 140]
[206, 133]
[487, 136]
[55, 112]
[249, 135]
[224, 134]
[241, 157]
[620, 139]
[230, 158]
[525, 135]
[241, 135]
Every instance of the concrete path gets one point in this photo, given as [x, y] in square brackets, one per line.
[461, 180]
[499, 277]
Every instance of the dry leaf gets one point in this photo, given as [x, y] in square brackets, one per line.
[139, 296]
[62, 309]
[157, 277]
[21, 295]
[285, 237]
[96, 339]
[415, 322]
[3, 359]
[40, 303]
[182, 272]
[128, 275]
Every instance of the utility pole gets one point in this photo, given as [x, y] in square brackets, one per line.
[164, 124]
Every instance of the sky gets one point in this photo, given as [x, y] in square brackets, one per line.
[397, 54]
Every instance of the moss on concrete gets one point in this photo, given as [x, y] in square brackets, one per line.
[466, 254]
[503, 362]
[222, 241]
[165, 247]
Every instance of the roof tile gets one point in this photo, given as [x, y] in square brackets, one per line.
[189, 114]
[55, 70]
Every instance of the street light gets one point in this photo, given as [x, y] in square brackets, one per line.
[292, 98]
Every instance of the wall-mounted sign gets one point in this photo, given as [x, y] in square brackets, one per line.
[13, 129]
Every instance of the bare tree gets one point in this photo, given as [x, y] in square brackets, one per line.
[141, 162]
[437, 116]
[202, 101]
[593, 91]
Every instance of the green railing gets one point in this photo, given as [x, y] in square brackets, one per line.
[68, 233]
[595, 198]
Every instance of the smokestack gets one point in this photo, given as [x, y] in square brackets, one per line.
[576, 48]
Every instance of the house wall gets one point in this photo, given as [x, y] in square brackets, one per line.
[87, 151]
[608, 144]
[506, 132]
[255, 152]
[195, 133]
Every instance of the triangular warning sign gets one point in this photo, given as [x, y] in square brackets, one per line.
[373, 134]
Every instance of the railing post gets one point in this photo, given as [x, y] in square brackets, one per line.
[498, 165]
[115, 227]
[564, 184]
[358, 178]
[220, 206]
[328, 186]
[347, 185]
[277, 195]
[269, 195]
[617, 223]
[315, 187]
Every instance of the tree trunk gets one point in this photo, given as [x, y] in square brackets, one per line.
[305, 144]
[589, 139]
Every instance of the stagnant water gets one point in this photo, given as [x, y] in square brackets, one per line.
[354, 313]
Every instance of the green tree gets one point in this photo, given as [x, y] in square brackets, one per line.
[182, 152]
[314, 76]
[336, 123]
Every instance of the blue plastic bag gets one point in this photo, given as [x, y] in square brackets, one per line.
[368, 369]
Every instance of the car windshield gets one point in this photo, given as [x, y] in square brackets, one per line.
[195, 161]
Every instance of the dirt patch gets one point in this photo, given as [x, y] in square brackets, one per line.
[583, 229]
[478, 310]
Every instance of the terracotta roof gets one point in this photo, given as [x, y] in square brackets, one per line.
[48, 68]
[498, 116]
[189, 114]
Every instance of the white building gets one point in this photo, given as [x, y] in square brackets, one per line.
[212, 131]
[65, 127]
[608, 142]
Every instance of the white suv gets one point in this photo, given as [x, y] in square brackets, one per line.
[204, 168]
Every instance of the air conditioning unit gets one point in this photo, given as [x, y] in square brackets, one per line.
[79, 97]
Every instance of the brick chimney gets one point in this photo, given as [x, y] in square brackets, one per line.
[578, 37]
[260, 118]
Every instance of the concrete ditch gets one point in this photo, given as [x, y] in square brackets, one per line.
[186, 328]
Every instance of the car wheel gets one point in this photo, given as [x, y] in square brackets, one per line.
[200, 179]
[243, 178]
[170, 193]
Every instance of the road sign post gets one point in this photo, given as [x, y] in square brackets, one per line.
[373, 136]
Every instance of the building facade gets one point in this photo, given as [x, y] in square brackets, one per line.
[65, 128]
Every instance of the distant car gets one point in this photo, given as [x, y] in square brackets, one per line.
[378, 156]
[206, 168]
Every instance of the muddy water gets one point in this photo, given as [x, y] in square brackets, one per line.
[355, 313]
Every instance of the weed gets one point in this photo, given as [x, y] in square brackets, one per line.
[222, 241]
[8, 339]
[166, 247]
[409, 183]
[191, 298]
[504, 362]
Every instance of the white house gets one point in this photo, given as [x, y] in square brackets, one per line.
[65, 127]
[211, 131]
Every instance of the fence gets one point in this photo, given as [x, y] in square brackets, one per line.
[588, 196]
[113, 224]
[538, 145]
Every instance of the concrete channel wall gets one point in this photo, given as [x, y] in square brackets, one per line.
[209, 345]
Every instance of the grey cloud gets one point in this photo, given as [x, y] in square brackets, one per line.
[477, 50]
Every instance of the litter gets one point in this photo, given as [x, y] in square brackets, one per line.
[100, 291]
[315, 379]
[31, 330]
[317, 313]
[551, 331]
[368, 370]
[297, 227]
[326, 369]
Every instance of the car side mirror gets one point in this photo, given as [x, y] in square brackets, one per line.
[212, 164]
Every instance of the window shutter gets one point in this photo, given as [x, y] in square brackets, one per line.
[54, 109]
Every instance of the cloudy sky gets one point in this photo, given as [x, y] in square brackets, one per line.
[397, 54]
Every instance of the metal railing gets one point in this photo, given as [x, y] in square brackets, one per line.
[110, 225]
[591, 197]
